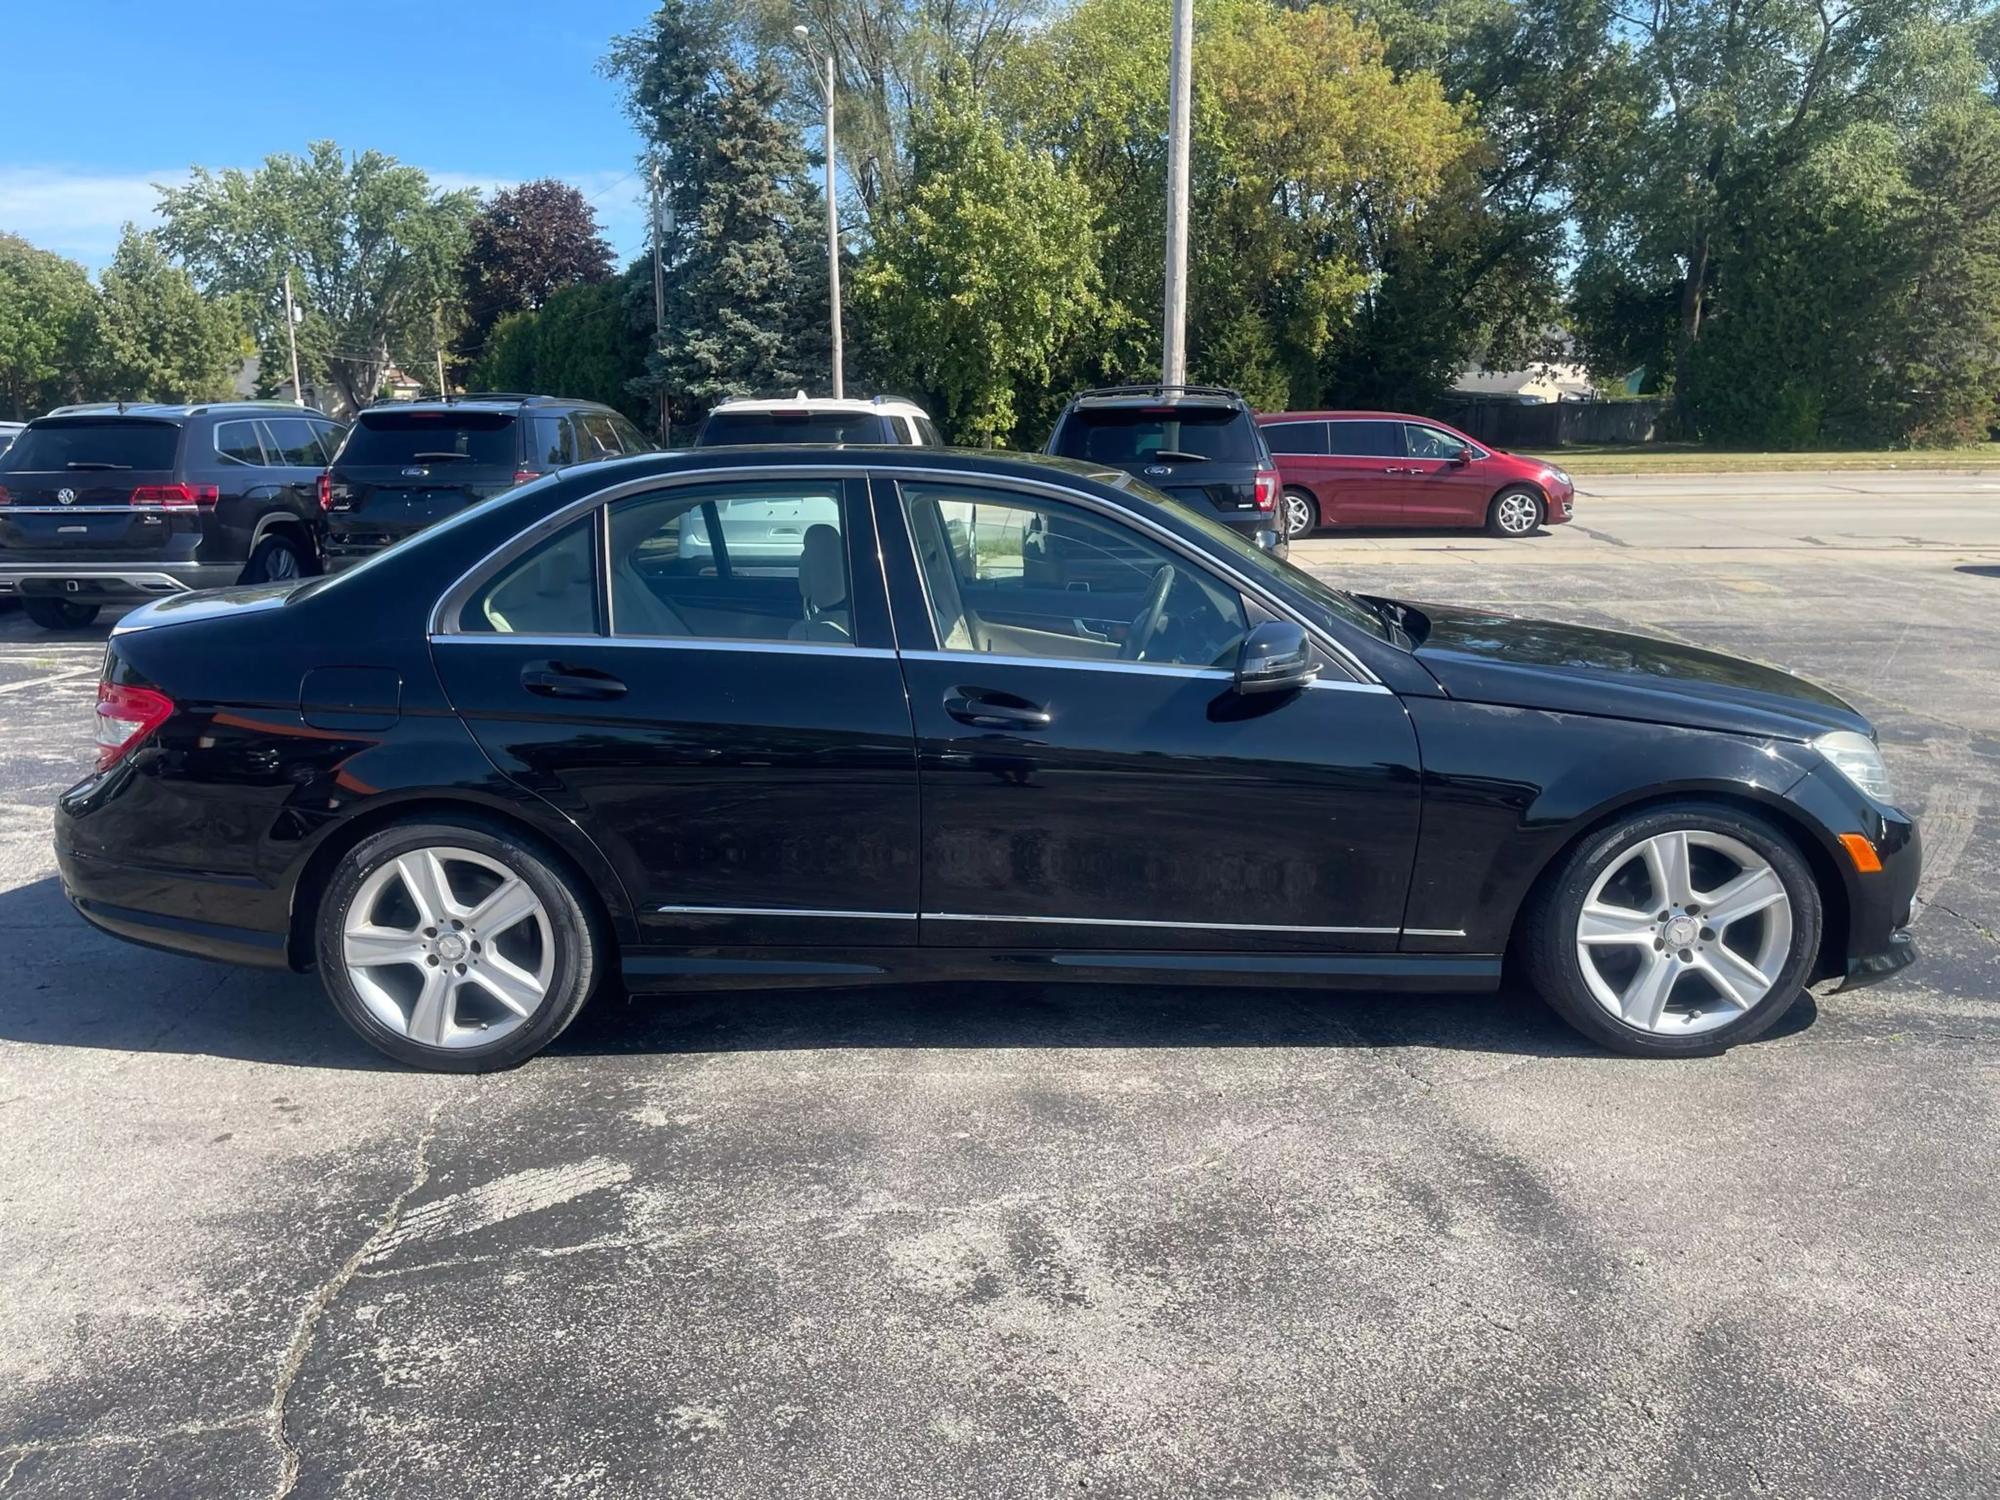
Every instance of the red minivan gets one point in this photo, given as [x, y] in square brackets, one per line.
[1382, 468]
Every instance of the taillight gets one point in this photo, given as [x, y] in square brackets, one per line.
[125, 716]
[1268, 484]
[176, 496]
[522, 476]
[5, 498]
[325, 490]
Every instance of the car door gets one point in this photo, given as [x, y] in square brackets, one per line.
[1089, 777]
[1364, 473]
[746, 766]
[1442, 482]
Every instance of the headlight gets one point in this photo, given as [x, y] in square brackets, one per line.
[1857, 758]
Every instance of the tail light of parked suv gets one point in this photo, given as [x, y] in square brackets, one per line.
[325, 490]
[1268, 485]
[176, 496]
[125, 716]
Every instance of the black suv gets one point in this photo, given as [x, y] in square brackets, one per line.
[112, 504]
[407, 464]
[1198, 443]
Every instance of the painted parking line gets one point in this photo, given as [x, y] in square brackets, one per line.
[15, 687]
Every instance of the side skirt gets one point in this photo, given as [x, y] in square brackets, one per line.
[809, 968]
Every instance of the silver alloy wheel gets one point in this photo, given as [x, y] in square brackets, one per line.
[1298, 515]
[1694, 957]
[462, 970]
[1516, 514]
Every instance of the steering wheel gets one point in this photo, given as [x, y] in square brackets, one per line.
[1149, 619]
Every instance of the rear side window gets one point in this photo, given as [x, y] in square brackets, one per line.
[555, 446]
[552, 590]
[59, 445]
[793, 427]
[1367, 439]
[1143, 434]
[293, 442]
[1296, 437]
[330, 434]
[384, 438]
[237, 443]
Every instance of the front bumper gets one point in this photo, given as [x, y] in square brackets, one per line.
[99, 582]
[1873, 968]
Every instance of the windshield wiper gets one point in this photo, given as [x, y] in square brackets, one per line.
[1175, 455]
[93, 463]
[434, 457]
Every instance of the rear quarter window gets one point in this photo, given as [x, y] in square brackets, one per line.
[55, 446]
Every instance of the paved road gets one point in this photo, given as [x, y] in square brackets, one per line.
[1010, 1242]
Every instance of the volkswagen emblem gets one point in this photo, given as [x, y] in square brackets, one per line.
[66, 497]
[1159, 469]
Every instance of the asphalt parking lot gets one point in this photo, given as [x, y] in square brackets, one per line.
[1010, 1242]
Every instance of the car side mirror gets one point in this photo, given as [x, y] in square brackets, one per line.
[1276, 658]
[1271, 540]
[1461, 458]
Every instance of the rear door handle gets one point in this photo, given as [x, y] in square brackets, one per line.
[554, 679]
[983, 709]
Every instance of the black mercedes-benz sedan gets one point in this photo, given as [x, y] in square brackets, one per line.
[846, 716]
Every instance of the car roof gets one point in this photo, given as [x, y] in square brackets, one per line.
[1342, 416]
[999, 462]
[1126, 396]
[895, 406]
[488, 401]
[170, 411]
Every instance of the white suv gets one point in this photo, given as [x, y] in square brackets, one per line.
[819, 419]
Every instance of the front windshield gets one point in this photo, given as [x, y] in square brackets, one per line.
[1316, 595]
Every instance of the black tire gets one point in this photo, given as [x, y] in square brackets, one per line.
[59, 614]
[581, 955]
[1546, 945]
[1294, 498]
[276, 559]
[1504, 513]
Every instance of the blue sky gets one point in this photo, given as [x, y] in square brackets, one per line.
[103, 98]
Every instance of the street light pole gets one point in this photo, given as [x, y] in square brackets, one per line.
[1180, 68]
[832, 204]
[659, 304]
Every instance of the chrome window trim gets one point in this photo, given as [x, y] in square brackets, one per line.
[785, 911]
[1086, 664]
[669, 642]
[1215, 566]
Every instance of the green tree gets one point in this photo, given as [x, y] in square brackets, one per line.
[582, 342]
[526, 244]
[982, 266]
[158, 339]
[48, 325]
[374, 249]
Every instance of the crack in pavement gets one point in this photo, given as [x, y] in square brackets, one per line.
[307, 1329]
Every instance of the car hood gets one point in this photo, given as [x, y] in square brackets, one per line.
[1544, 664]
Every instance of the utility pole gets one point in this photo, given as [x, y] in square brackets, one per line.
[292, 338]
[1173, 343]
[659, 302]
[832, 203]
[437, 338]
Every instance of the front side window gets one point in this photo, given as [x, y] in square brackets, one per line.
[596, 437]
[237, 443]
[744, 562]
[631, 437]
[1433, 442]
[1018, 575]
[927, 434]
[550, 590]
[1366, 439]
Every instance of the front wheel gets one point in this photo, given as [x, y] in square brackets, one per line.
[1682, 930]
[456, 946]
[1513, 513]
[59, 614]
[1301, 514]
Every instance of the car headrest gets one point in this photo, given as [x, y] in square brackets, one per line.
[823, 568]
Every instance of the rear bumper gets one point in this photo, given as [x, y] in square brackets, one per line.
[99, 582]
[175, 911]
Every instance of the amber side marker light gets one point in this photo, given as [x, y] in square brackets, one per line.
[1862, 852]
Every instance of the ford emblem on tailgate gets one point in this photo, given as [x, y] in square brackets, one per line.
[1159, 469]
[416, 473]
[66, 497]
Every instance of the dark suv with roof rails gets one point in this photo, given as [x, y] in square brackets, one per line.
[407, 464]
[119, 503]
[1199, 444]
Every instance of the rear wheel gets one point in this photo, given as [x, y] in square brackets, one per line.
[59, 614]
[1515, 512]
[456, 946]
[276, 559]
[1681, 930]
[1301, 514]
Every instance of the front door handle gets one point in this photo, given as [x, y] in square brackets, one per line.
[555, 679]
[984, 709]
